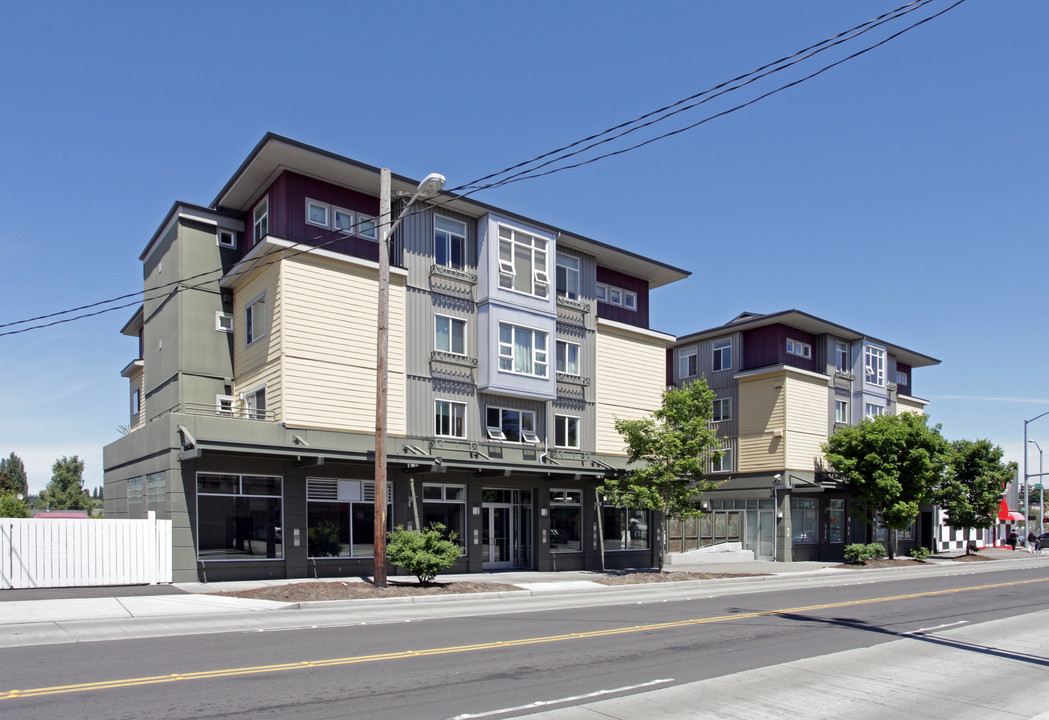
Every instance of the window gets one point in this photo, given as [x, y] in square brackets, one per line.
[136, 402]
[255, 320]
[566, 521]
[625, 529]
[449, 419]
[723, 463]
[317, 213]
[567, 276]
[262, 219]
[871, 411]
[255, 404]
[223, 322]
[340, 518]
[841, 411]
[239, 517]
[224, 405]
[446, 504]
[722, 409]
[803, 521]
[510, 425]
[449, 242]
[566, 431]
[366, 227]
[874, 366]
[343, 220]
[836, 521]
[522, 262]
[902, 378]
[449, 335]
[688, 363]
[227, 238]
[567, 358]
[722, 355]
[522, 350]
[800, 349]
[617, 296]
[841, 354]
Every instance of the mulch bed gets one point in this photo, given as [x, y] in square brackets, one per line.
[312, 591]
[907, 562]
[640, 577]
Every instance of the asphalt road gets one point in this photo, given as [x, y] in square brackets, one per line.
[452, 666]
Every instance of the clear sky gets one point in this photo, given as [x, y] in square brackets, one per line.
[902, 193]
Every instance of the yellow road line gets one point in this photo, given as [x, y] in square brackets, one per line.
[427, 652]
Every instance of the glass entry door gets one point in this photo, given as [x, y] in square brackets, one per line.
[497, 536]
[761, 529]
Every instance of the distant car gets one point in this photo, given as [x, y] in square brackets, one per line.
[1043, 539]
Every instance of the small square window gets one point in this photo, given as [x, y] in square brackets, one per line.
[317, 213]
[227, 238]
[366, 227]
[345, 220]
[223, 322]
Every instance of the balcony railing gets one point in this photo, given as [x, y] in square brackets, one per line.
[239, 413]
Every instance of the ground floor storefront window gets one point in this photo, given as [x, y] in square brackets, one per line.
[566, 521]
[340, 518]
[446, 504]
[803, 520]
[625, 529]
[239, 517]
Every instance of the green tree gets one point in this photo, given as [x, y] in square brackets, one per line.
[13, 477]
[893, 463]
[66, 489]
[672, 448]
[423, 553]
[971, 491]
[12, 507]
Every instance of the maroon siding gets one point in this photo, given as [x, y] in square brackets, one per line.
[670, 366]
[768, 346]
[905, 389]
[287, 197]
[623, 281]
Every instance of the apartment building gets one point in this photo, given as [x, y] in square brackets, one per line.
[513, 347]
[783, 383]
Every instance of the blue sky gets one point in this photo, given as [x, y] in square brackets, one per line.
[901, 193]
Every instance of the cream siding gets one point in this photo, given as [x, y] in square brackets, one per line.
[806, 428]
[629, 381]
[905, 404]
[329, 336]
[258, 364]
[762, 414]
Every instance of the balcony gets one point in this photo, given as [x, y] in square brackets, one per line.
[237, 413]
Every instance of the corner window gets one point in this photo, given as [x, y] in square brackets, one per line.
[227, 238]
[841, 355]
[318, 213]
[567, 358]
[510, 425]
[262, 219]
[722, 358]
[800, 349]
[566, 431]
[449, 419]
[522, 350]
[522, 262]
[567, 278]
[722, 409]
[449, 242]
[874, 365]
[255, 320]
[688, 363]
[449, 335]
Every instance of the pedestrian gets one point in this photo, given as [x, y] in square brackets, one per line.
[1032, 542]
[1013, 539]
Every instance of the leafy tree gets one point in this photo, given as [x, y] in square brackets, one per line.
[672, 448]
[13, 476]
[893, 463]
[423, 553]
[66, 489]
[12, 507]
[971, 491]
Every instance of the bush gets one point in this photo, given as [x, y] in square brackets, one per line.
[876, 550]
[857, 553]
[12, 507]
[921, 554]
[423, 553]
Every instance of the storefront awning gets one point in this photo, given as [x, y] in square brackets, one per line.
[1005, 515]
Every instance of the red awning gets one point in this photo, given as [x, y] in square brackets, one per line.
[1005, 515]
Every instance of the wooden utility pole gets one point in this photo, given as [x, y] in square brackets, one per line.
[382, 378]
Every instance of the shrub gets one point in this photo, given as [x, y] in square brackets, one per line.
[921, 554]
[12, 507]
[423, 553]
[876, 550]
[857, 553]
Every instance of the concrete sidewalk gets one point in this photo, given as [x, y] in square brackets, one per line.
[56, 605]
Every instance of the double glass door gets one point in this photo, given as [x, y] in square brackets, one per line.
[506, 529]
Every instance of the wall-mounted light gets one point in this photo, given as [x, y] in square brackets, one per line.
[475, 510]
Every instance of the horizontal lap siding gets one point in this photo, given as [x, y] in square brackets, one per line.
[330, 322]
[807, 400]
[762, 410]
[629, 383]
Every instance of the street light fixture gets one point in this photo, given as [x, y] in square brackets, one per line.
[1026, 423]
[1041, 488]
[430, 186]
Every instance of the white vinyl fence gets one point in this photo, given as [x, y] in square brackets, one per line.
[41, 552]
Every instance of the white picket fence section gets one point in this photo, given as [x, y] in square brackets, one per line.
[38, 553]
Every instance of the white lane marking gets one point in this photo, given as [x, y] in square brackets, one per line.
[559, 701]
[922, 631]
